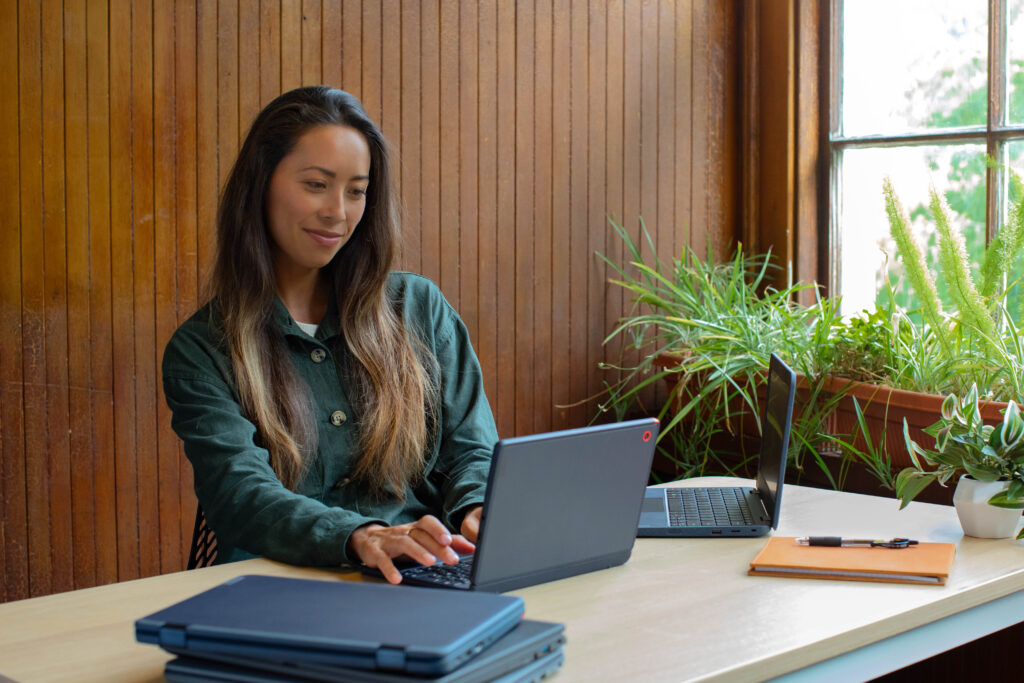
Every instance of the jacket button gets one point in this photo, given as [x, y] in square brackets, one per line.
[338, 418]
[342, 483]
[318, 355]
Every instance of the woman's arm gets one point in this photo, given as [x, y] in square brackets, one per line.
[468, 432]
[244, 501]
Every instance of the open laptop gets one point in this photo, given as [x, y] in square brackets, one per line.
[557, 505]
[739, 510]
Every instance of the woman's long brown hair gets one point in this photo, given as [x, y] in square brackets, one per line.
[392, 374]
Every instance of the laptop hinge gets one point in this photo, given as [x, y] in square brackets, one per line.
[389, 657]
[173, 635]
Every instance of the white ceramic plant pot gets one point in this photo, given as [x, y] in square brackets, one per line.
[977, 517]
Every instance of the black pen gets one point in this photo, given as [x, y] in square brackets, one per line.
[838, 541]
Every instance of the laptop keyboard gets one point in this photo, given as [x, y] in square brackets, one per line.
[707, 507]
[449, 575]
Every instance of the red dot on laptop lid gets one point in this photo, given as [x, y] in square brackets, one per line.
[647, 435]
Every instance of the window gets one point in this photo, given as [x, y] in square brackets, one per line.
[924, 92]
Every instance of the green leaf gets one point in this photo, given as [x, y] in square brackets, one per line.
[912, 448]
[980, 472]
[910, 482]
[1001, 500]
[950, 410]
[971, 412]
[1011, 432]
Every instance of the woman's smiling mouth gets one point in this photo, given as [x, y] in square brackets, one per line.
[325, 237]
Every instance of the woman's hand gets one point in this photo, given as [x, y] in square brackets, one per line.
[426, 541]
[471, 523]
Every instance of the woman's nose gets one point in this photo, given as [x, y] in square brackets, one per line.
[333, 209]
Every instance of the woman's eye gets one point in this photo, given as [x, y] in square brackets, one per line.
[358, 192]
[315, 185]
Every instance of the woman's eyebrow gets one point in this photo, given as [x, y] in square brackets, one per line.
[332, 174]
[319, 168]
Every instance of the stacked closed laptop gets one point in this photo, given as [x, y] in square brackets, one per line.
[262, 628]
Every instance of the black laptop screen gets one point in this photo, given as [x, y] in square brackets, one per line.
[778, 413]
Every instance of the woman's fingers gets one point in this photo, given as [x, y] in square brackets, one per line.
[425, 541]
[438, 548]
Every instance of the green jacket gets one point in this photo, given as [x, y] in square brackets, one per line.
[246, 505]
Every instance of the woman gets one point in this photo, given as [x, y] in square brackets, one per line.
[332, 411]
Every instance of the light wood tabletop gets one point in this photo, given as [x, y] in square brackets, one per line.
[680, 609]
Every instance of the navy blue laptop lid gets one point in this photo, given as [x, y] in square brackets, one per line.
[341, 623]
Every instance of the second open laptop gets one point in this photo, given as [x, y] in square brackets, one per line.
[733, 511]
[557, 505]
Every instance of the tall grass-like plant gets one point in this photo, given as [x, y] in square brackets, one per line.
[978, 343]
[957, 270]
[913, 260]
[724, 320]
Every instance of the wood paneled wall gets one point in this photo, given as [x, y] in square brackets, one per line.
[520, 127]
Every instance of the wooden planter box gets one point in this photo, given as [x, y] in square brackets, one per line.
[885, 409]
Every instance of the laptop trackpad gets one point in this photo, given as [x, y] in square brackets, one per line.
[653, 512]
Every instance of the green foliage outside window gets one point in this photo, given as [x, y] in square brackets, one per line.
[967, 194]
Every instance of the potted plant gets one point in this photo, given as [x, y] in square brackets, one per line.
[989, 494]
[938, 350]
[707, 329]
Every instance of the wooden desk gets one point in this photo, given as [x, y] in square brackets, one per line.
[680, 609]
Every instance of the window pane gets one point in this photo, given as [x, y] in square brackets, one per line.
[867, 251]
[1015, 52]
[1015, 297]
[912, 65]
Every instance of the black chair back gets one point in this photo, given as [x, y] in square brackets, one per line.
[204, 543]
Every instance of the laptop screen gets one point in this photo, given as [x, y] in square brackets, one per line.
[778, 414]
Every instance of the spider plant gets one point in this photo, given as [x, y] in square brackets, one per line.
[723, 321]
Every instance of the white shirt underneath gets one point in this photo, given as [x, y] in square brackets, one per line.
[308, 328]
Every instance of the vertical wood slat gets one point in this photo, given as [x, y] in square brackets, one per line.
[408, 146]
[486, 340]
[33, 298]
[390, 121]
[519, 127]
[449, 227]
[523, 234]
[373, 45]
[168, 525]
[352, 46]
[505, 351]
[312, 28]
[207, 159]
[543, 321]
[77, 200]
[331, 46]
[429, 198]
[614, 297]
[186, 206]
[270, 51]
[143, 264]
[578, 261]
[560, 350]
[469, 149]
[291, 45]
[597, 189]
[249, 65]
[14, 535]
[122, 303]
[55, 320]
[101, 383]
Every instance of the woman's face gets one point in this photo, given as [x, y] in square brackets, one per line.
[316, 197]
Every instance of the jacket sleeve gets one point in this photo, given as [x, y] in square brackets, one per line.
[245, 503]
[468, 432]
